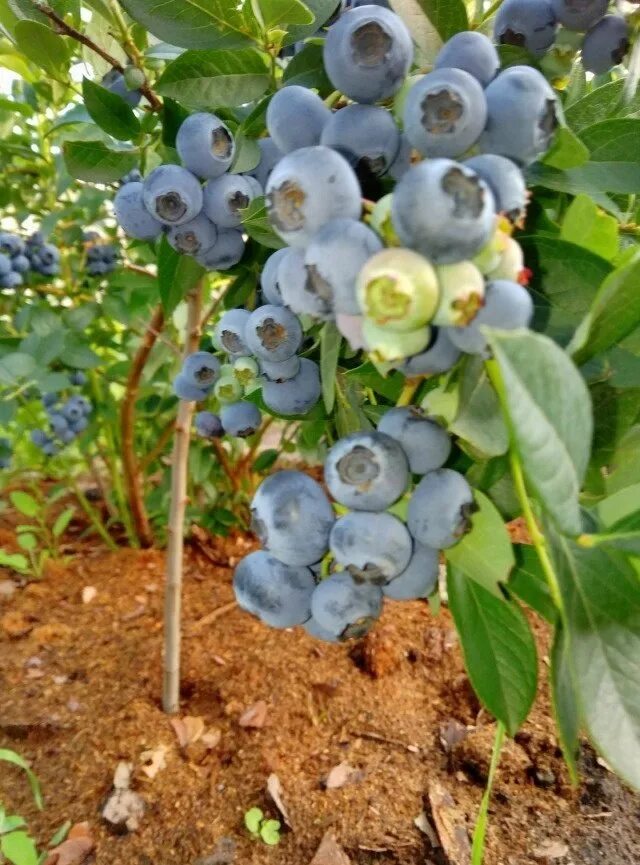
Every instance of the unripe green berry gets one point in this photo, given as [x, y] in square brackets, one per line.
[134, 78]
[228, 389]
[380, 221]
[461, 294]
[490, 255]
[511, 262]
[398, 289]
[246, 370]
[387, 345]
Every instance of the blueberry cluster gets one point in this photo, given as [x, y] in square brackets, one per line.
[14, 263]
[43, 257]
[102, 258]
[5, 453]
[331, 575]
[67, 418]
[533, 24]
[203, 221]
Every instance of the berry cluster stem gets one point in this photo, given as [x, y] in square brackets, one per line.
[408, 391]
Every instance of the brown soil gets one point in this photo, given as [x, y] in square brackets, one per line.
[79, 692]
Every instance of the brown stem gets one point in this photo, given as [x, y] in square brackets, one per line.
[67, 30]
[163, 439]
[175, 542]
[130, 466]
[226, 466]
[141, 270]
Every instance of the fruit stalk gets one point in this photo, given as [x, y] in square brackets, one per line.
[408, 392]
[175, 540]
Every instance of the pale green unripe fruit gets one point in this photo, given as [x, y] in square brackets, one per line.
[490, 255]
[380, 221]
[228, 389]
[133, 78]
[398, 289]
[246, 370]
[511, 262]
[387, 345]
[461, 294]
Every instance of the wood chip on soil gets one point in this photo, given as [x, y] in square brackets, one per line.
[330, 852]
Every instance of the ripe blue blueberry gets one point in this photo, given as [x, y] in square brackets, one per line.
[208, 425]
[344, 608]
[79, 425]
[225, 252]
[240, 419]
[292, 517]
[297, 395]
[426, 445]
[296, 117]
[272, 333]
[365, 135]
[461, 215]
[58, 424]
[39, 437]
[299, 292]
[280, 372]
[5, 264]
[172, 194]
[579, 14]
[114, 81]
[471, 51]
[205, 145]
[11, 244]
[419, 578]
[49, 399]
[10, 280]
[74, 408]
[186, 390]
[225, 197]
[335, 257]
[440, 509]
[278, 593]
[507, 305]
[505, 180]
[229, 332]
[605, 45]
[132, 215]
[367, 53]
[270, 155]
[445, 113]
[269, 277]
[366, 471]
[315, 630]
[201, 369]
[194, 237]
[20, 263]
[521, 115]
[372, 547]
[529, 24]
[307, 189]
[439, 356]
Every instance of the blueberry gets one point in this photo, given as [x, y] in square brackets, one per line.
[201, 369]
[132, 215]
[208, 425]
[521, 115]
[114, 81]
[5, 264]
[398, 289]
[365, 135]
[471, 51]
[11, 280]
[39, 437]
[384, 344]
[419, 578]
[461, 294]
[270, 155]
[282, 371]
[82, 403]
[272, 333]
[366, 471]
[205, 145]
[186, 390]
[507, 306]
[579, 14]
[11, 244]
[440, 509]
[134, 176]
[229, 332]
[246, 370]
[605, 45]
[74, 408]
[240, 419]
[292, 517]
[460, 217]
[372, 547]
[5, 461]
[279, 594]
[228, 389]
[529, 24]
[307, 189]
[50, 448]
[225, 252]
[225, 197]
[344, 608]
[79, 425]
[315, 630]
[427, 446]
[296, 117]
[256, 187]
[334, 258]
[20, 264]
[194, 237]
[50, 399]
[297, 395]
[269, 277]
[506, 181]
[367, 53]
[58, 423]
[440, 356]
[172, 194]
[445, 113]
[299, 292]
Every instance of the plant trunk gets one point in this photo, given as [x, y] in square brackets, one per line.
[175, 541]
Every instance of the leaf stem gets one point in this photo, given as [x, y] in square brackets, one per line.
[94, 519]
[479, 835]
[408, 392]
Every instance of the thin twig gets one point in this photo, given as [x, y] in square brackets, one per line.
[141, 270]
[163, 440]
[211, 617]
[226, 466]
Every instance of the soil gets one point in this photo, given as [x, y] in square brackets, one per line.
[80, 680]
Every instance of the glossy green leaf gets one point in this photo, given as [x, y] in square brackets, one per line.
[321, 10]
[275, 13]
[586, 225]
[42, 46]
[205, 79]
[306, 68]
[615, 140]
[110, 111]
[447, 16]
[527, 582]
[602, 102]
[565, 701]
[177, 274]
[330, 342]
[256, 223]
[62, 521]
[19, 848]
[479, 419]
[95, 162]
[24, 503]
[8, 756]
[566, 151]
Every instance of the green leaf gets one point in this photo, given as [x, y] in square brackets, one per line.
[77, 354]
[330, 342]
[447, 16]
[613, 140]
[484, 554]
[599, 103]
[27, 541]
[265, 460]
[615, 313]
[15, 561]
[567, 151]
[19, 848]
[24, 503]
[549, 413]
[306, 68]
[256, 223]
[216, 24]
[565, 701]
[322, 10]
[528, 583]
[270, 832]
[593, 178]
[11, 757]
[62, 521]
[498, 647]
[586, 225]
[205, 79]
[95, 162]
[173, 116]
[16, 366]
[252, 820]
[601, 594]
[42, 46]
[479, 419]
[247, 154]
[61, 834]
[110, 111]
[277, 12]
[177, 274]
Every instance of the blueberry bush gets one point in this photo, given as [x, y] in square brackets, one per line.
[402, 236]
